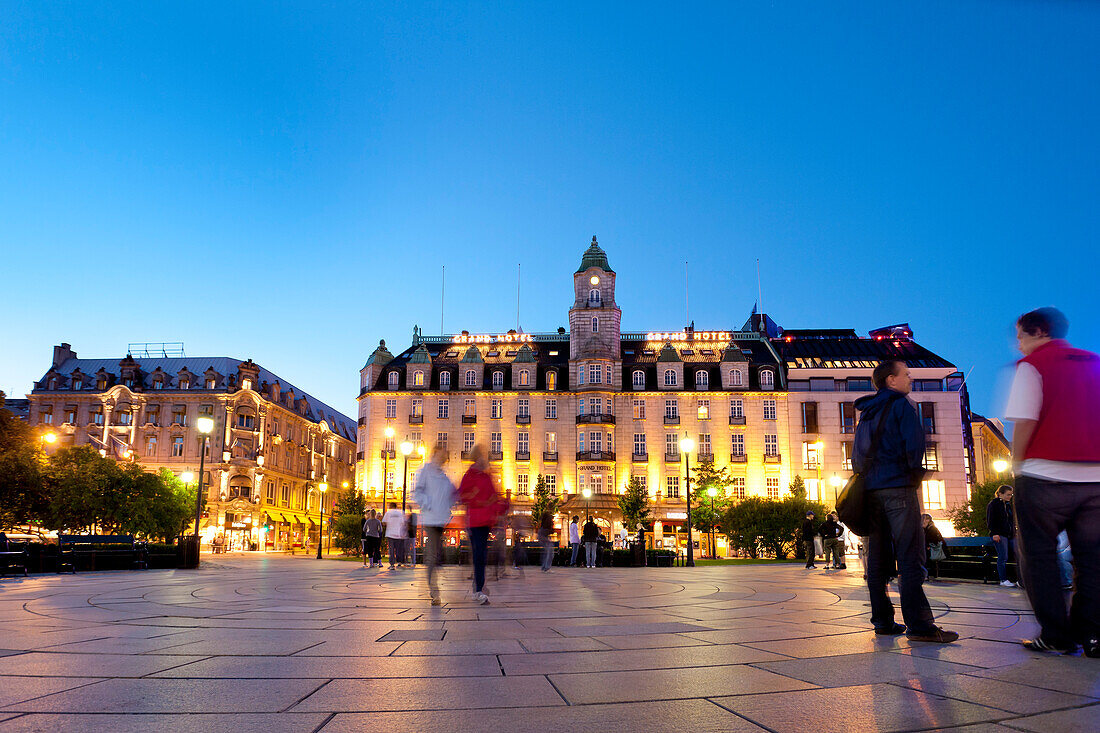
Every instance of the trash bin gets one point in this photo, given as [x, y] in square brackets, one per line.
[187, 552]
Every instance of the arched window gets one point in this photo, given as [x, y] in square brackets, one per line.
[594, 297]
[471, 378]
[702, 379]
[767, 379]
[418, 379]
[595, 325]
[498, 380]
[524, 378]
[551, 381]
[735, 378]
[670, 377]
[638, 379]
[445, 380]
[393, 380]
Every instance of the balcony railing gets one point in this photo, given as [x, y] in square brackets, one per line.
[467, 455]
[523, 455]
[773, 458]
[416, 419]
[672, 457]
[640, 457]
[595, 455]
[672, 419]
[549, 455]
[469, 419]
[392, 454]
[739, 458]
[599, 418]
[737, 419]
[707, 457]
[496, 455]
[523, 419]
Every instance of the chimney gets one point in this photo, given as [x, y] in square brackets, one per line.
[62, 353]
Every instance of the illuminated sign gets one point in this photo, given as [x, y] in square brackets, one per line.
[489, 338]
[676, 515]
[685, 337]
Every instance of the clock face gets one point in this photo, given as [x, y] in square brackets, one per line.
[595, 280]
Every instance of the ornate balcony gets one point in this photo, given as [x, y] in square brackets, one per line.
[599, 418]
[739, 420]
[523, 419]
[739, 458]
[640, 458]
[469, 419]
[416, 419]
[523, 455]
[467, 455]
[672, 457]
[773, 458]
[496, 455]
[672, 419]
[550, 456]
[595, 456]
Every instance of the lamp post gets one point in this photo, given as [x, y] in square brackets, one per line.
[205, 426]
[712, 492]
[1000, 466]
[837, 482]
[48, 438]
[386, 464]
[322, 488]
[687, 445]
[406, 449]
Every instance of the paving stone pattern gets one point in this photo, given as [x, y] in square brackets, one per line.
[273, 643]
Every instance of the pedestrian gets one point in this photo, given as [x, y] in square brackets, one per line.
[889, 453]
[484, 507]
[373, 529]
[521, 528]
[410, 539]
[574, 540]
[394, 521]
[807, 539]
[1002, 530]
[934, 546]
[435, 495]
[363, 537]
[831, 532]
[1054, 404]
[590, 536]
[546, 527]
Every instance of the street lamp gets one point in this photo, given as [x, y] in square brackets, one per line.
[1000, 465]
[386, 464]
[837, 482]
[687, 445]
[406, 449]
[205, 426]
[587, 494]
[321, 487]
[712, 492]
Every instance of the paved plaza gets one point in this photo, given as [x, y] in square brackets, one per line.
[275, 643]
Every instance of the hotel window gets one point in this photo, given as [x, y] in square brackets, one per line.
[736, 380]
[672, 408]
[933, 494]
[471, 378]
[846, 452]
[702, 379]
[185, 383]
[931, 457]
[444, 409]
[927, 412]
[270, 492]
[245, 421]
[442, 440]
[737, 444]
[672, 487]
[595, 324]
[552, 484]
[444, 380]
[811, 456]
[70, 415]
[523, 442]
[594, 297]
[580, 443]
[78, 384]
[467, 442]
[101, 383]
[809, 417]
[769, 409]
[495, 443]
[523, 407]
[177, 447]
[704, 445]
[524, 378]
[418, 408]
[391, 408]
[551, 442]
[496, 409]
[179, 415]
[287, 459]
[390, 480]
[672, 444]
[639, 409]
[469, 408]
[158, 383]
[284, 497]
[418, 378]
[771, 445]
[847, 417]
[772, 485]
[597, 405]
[737, 408]
[580, 407]
[551, 409]
[643, 482]
[551, 381]
[393, 380]
[246, 384]
[737, 488]
[638, 379]
[703, 409]
[523, 484]
[498, 380]
[580, 374]
[639, 444]
[211, 383]
[415, 437]
[596, 439]
[46, 414]
[151, 446]
[607, 373]
[597, 484]
[767, 379]
[670, 377]
[595, 374]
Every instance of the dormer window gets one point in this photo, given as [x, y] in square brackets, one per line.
[670, 377]
[418, 379]
[246, 384]
[52, 383]
[158, 383]
[185, 383]
[444, 380]
[637, 379]
[735, 378]
[498, 380]
[129, 382]
[524, 378]
[595, 325]
[78, 384]
[101, 383]
[551, 381]
[211, 383]
[392, 380]
[702, 379]
[471, 378]
[594, 298]
[767, 379]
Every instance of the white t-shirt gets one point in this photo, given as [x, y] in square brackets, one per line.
[394, 520]
[1025, 401]
[574, 532]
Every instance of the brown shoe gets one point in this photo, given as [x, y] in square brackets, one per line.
[936, 636]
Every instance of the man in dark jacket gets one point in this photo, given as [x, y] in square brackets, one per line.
[831, 532]
[807, 537]
[1002, 530]
[590, 536]
[893, 475]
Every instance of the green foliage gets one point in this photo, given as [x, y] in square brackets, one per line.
[706, 513]
[22, 491]
[83, 489]
[969, 517]
[347, 522]
[543, 501]
[797, 487]
[759, 526]
[634, 504]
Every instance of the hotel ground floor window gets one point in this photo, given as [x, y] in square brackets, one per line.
[151, 446]
[177, 447]
[551, 484]
[672, 487]
[523, 484]
[737, 488]
[934, 494]
[737, 444]
[771, 483]
[271, 492]
[284, 496]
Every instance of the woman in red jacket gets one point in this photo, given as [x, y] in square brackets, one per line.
[484, 506]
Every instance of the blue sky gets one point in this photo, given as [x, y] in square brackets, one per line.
[284, 181]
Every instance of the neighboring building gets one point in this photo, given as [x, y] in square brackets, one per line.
[19, 409]
[990, 447]
[271, 447]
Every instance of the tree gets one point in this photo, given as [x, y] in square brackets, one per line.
[347, 521]
[797, 487]
[544, 502]
[23, 496]
[763, 526]
[969, 517]
[706, 512]
[84, 489]
[634, 504]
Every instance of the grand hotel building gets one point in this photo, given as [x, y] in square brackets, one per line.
[592, 407]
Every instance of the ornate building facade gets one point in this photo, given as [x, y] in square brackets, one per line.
[271, 449]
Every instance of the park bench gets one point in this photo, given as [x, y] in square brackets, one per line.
[970, 558]
[72, 547]
[12, 561]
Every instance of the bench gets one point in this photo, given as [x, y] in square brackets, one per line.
[970, 557]
[12, 561]
[84, 546]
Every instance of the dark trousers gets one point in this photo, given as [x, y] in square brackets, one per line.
[897, 540]
[1043, 510]
[479, 552]
[811, 552]
[433, 548]
[1005, 549]
[374, 550]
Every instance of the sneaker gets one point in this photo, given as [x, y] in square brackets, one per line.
[1007, 584]
[894, 630]
[935, 636]
[481, 598]
[1092, 648]
[436, 601]
[1039, 645]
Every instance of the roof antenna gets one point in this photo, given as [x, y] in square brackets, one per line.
[442, 293]
[687, 297]
[519, 273]
[759, 288]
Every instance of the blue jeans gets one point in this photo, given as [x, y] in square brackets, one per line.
[590, 553]
[576, 551]
[897, 541]
[1005, 546]
[547, 554]
[1065, 559]
[479, 551]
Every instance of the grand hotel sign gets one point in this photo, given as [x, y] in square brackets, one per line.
[690, 338]
[490, 338]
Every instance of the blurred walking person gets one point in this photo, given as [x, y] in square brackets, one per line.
[1054, 404]
[807, 539]
[484, 507]
[546, 527]
[435, 495]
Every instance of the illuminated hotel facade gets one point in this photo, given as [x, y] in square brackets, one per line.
[592, 407]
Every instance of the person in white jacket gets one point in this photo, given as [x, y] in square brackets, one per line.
[435, 494]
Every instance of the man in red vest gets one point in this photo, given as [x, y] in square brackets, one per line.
[1055, 407]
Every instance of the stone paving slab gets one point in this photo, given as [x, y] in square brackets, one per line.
[146, 723]
[426, 694]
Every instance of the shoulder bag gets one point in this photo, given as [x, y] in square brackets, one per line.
[851, 505]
